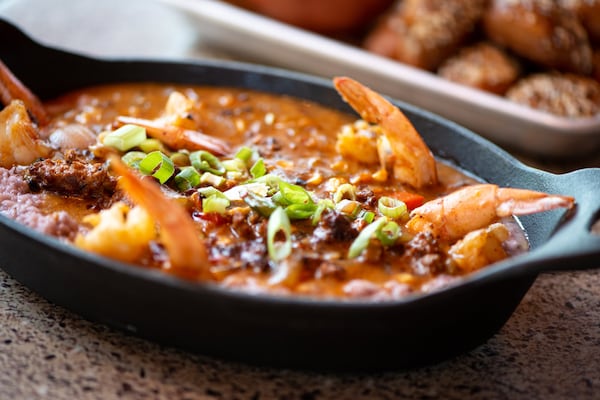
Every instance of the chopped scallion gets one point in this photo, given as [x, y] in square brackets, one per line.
[245, 154]
[149, 145]
[392, 208]
[364, 237]
[158, 165]
[262, 205]
[300, 211]
[389, 233]
[344, 191]
[216, 204]
[206, 162]
[368, 216]
[258, 169]
[321, 206]
[212, 179]
[133, 158]
[279, 222]
[126, 137]
[351, 208]
[187, 179]
[293, 194]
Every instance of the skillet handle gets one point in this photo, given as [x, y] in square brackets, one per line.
[573, 246]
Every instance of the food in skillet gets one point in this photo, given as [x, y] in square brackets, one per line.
[254, 191]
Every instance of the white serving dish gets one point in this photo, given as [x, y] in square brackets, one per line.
[260, 39]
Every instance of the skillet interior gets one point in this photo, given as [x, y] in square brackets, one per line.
[260, 329]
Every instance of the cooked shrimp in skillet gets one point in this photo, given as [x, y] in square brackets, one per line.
[174, 128]
[186, 256]
[474, 207]
[271, 201]
[409, 157]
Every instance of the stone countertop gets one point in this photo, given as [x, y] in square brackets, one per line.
[549, 348]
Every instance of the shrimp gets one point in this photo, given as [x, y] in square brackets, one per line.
[178, 138]
[174, 128]
[21, 137]
[474, 207]
[186, 250]
[412, 161]
[11, 88]
[480, 248]
[20, 143]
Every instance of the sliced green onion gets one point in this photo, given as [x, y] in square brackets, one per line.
[392, 208]
[351, 208]
[245, 154]
[258, 169]
[133, 158]
[300, 211]
[187, 179]
[206, 162]
[211, 191]
[158, 165]
[216, 204]
[272, 181]
[389, 233]
[344, 191]
[368, 216]
[364, 237]
[262, 205]
[234, 165]
[149, 145]
[321, 206]
[180, 159]
[212, 179]
[279, 222]
[126, 137]
[293, 194]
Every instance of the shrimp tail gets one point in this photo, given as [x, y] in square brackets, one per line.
[411, 159]
[188, 255]
[11, 88]
[474, 207]
[179, 138]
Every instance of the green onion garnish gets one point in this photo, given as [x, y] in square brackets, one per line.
[180, 159]
[212, 179]
[392, 208]
[344, 191]
[234, 165]
[364, 237]
[215, 203]
[321, 206]
[149, 145]
[258, 169]
[300, 211]
[206, 162]
[245, 154]
[158, 165]
[211, 191]
[279, 222]
[263, 205]
[293, 194]
[126, 137]
[389, 233]
[133, 158]
[351, 208]
[187, 179]
[368, 216]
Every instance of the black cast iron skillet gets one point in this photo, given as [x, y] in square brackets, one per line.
[287, 331]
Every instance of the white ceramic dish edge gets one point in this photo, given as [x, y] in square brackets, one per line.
[260, 39]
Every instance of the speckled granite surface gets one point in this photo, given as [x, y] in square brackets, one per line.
[549, 349]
